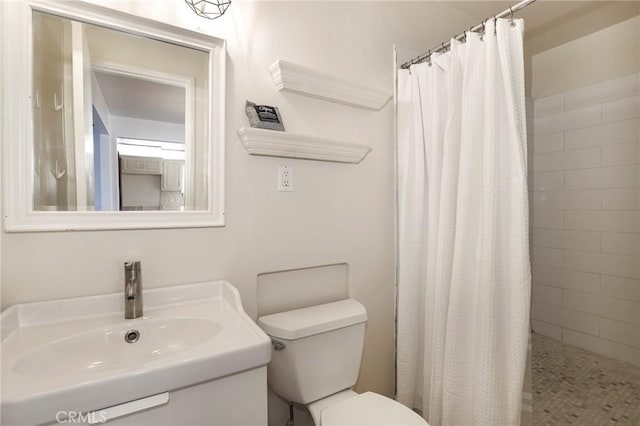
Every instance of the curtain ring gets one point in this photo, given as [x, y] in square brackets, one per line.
[513, 24]
[495, 25]
[429, 57]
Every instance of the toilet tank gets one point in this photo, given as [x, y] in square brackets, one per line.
[321, 349]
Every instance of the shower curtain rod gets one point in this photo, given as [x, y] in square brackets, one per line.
[446, 44]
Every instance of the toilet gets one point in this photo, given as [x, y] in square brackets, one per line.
[316, 359]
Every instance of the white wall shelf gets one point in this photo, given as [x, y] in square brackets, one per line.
[281, 144]
[290, 77]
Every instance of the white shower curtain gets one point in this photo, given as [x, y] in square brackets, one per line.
[463, 255]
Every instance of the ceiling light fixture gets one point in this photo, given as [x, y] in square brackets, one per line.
[210, 9]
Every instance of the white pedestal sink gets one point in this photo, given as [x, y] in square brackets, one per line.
[198, 359]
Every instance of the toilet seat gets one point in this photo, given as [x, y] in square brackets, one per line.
[369, 409]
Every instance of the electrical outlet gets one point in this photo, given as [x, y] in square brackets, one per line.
[285, 178]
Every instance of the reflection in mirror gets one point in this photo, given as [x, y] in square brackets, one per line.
[151, 175]
[119, 120]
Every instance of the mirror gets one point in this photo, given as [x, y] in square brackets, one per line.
[126, 121]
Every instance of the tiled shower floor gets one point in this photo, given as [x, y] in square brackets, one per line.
[575, 386]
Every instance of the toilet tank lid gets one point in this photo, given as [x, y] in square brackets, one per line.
[317, 319]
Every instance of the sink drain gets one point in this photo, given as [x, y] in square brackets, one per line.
[131, 336]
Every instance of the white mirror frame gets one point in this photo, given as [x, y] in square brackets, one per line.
[17, 121]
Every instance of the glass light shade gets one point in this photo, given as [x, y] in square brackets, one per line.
[210, 9]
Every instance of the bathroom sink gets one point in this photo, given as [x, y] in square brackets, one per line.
[107, 349]
[73, 354]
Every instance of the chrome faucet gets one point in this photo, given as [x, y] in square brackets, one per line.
[132, 290]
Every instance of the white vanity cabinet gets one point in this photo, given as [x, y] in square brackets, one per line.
[236, 400]
[172, 172]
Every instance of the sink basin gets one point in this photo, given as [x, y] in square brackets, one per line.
[72, 353]
[107, 349]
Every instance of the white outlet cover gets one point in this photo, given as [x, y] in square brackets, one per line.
[285, 178]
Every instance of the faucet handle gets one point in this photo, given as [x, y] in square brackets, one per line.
[134, 265]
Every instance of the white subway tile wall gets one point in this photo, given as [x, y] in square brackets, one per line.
[585, 175]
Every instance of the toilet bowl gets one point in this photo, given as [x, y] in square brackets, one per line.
[316, 360]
